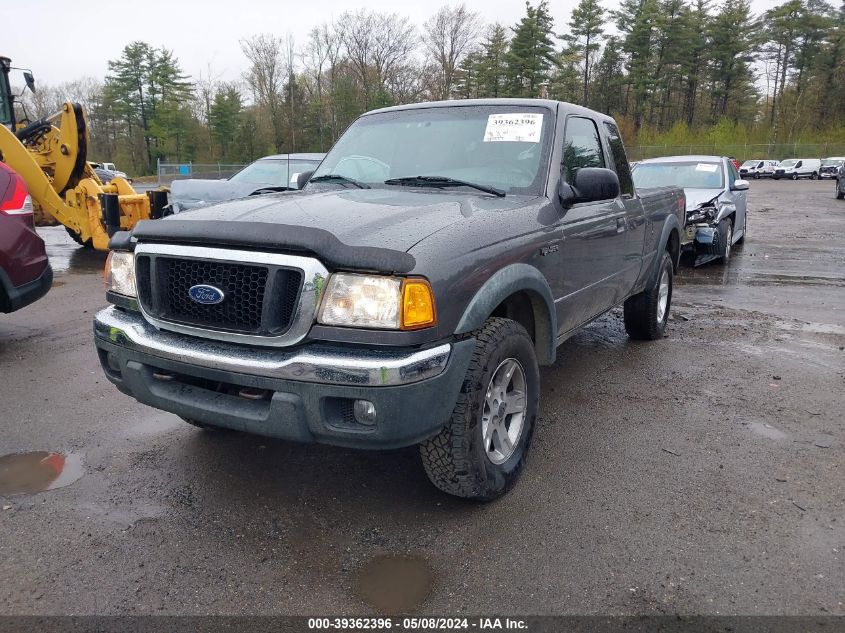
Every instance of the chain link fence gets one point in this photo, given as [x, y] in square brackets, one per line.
[741, 151]
[168, 172]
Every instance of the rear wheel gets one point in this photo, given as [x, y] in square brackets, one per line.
[646, 314]
[481, 451]
[814, 175]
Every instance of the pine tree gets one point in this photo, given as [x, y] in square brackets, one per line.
[531, 55]
[733, 34]
[636, 20]
[586, 32]
[492, 69]
[606, 93]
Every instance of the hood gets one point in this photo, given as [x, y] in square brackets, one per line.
[387, 218]
[196, 191]
[697, 197]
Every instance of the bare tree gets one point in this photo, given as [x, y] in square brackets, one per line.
[320, 59]
[266, 78]
[449, 36]
[378, 45]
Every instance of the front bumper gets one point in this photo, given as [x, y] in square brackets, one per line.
[306, 393]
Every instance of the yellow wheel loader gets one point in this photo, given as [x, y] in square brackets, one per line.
[50, 155]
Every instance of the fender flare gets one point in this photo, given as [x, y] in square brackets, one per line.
[502, 284]
[672, 223]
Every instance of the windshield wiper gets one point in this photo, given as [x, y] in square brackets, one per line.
[442, 181]
[351, 181]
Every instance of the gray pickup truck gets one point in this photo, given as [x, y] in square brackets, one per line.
[406, 295]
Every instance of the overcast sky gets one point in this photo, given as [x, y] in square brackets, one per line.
[69, 40]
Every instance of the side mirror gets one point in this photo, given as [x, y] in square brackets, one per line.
[590, 184]
[30, 80]
[739, 185]
[303, 178]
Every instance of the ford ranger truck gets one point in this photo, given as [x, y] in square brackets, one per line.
[407, 294]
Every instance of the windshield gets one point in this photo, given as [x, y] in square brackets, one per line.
[690, 175]
[274, 172]
[832, 162]
[788, 163]
[505, 147]
[751, 163]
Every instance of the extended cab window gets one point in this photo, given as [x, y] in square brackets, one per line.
[620, 159]
[581, 146]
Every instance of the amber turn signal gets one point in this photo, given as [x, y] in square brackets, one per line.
[417, 305]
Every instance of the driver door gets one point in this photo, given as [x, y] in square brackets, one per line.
[592, 256]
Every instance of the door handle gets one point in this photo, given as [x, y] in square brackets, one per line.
[620, 225]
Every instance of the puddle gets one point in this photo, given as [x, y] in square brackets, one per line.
[394, 584]
[767, 430]
[728, 277]
[30, 473]
[68, 256]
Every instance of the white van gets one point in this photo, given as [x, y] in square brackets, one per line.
[757, 168]
[796, 168]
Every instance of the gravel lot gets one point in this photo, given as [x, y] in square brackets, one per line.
[702, 473]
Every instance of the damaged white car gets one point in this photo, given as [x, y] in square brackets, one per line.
[717, 201]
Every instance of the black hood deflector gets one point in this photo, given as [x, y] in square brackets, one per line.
[333, 253]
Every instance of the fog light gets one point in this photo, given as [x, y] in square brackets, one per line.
[113, 362]
[364, 412]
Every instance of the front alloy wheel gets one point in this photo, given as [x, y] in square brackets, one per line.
[504, 411]
[481, 450]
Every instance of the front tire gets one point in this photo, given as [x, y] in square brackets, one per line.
[725, 236]
[794, 176]
[840, 195]
[481, 451]
[76, 237]
[646, 314]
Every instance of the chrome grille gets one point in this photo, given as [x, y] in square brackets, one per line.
[268, 298]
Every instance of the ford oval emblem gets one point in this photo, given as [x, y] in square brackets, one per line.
[205, 294]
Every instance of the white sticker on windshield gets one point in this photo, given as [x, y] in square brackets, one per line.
[516, 128]
[709, 167]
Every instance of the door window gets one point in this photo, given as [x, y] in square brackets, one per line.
[581, 146]
[620, 160]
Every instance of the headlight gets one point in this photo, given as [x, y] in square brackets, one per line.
[120, 273]
[371, 301]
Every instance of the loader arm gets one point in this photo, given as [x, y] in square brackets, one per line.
[50, 155]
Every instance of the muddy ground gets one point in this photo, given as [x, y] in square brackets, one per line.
[702, 473]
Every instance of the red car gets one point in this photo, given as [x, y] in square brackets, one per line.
[25, 272]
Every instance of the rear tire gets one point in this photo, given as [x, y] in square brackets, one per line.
[646, 314]
[814, 176]
[481, 451]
